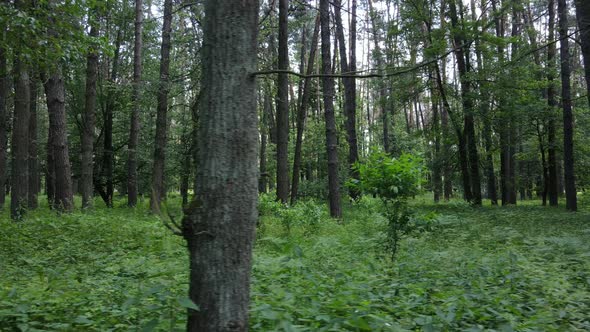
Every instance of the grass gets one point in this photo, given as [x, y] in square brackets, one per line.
[524, 268]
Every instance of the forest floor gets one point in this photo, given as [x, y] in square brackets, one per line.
[524, 268]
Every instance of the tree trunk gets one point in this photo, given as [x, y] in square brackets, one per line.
[302, 111]
[4, 86]
[553, 183]
[20, 141]
[135, 100]
[349, 92]
[158, 192]
[283, 107]
[87, 178]
[62, 175]
[328, 97]
[33, 190]
[583, 16]
[220, 223]
[568, 118]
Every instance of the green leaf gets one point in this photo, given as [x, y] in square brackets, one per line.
[188, 303]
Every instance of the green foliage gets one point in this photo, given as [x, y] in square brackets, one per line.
[521, 268]
[389, 178]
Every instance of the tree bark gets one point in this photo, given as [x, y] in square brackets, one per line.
[220, 223]
[33, 190]
[20, 141]
[133, 142]
[553, 183]
[283, 107]
[583, 17]
[568, 117]
[4, 86]
[302, 111]
[55, 95]
[158, 192]
[87, 176]
[328, 97]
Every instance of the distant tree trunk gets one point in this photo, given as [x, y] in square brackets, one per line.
[158, 192]
[382, 88]
[349, 92]
[20, 141]
[437, 185]
[50, 170]
[135, 99]
[283, 107]
[108, 149]
[462, 56]
[302, 111]
[4, 86]
[220, 223]
[263, 177]
[328, 96]
[568, 118]
[33, 190]
[55, 94]
[87, 178]
[553, 183]
[583, 16]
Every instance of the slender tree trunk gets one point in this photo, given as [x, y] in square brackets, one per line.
[283, 107]
[568, 118]
[328, 97]
[583, 16]
[132, 185]
[220, 223]
[87, 179]
[553, 183]
[20, 141]
[302, 111]
[158, 192]
[4, 86]
[349, 93]
[33, 190]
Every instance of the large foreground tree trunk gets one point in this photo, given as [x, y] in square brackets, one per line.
[135, 98]
[58, 144]
[220, 222]
[583, 15]
[87, 176]
[328, 96]
[20, 141]
[158, 192]
[4, 84]
[568, 118]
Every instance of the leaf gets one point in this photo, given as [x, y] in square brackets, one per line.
[187, 303]
[151, 325]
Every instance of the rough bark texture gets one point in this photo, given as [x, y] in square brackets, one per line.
[583, 16]
[87, 176]
[283, 107]
[20, 141]
[135, 100]
[552, 181]
[568, 117]
[55, 95]
[302, 111]
[158, 192]
[33, 190]
[4, 85]
[349, 92]
[220, 222]
[328, 97]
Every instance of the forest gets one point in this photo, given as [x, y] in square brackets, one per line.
[294, 165]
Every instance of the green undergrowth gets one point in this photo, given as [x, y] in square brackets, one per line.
[524, 268]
